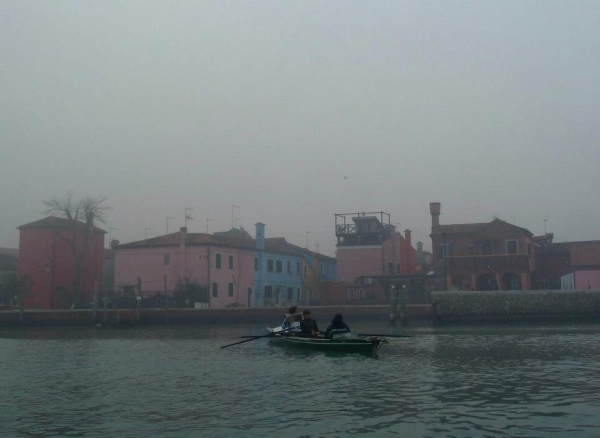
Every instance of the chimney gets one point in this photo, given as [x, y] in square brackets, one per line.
[434, 209]
[407, 234]
[113, 244]
[260, 235]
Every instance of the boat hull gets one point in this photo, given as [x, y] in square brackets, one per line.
[359, 345]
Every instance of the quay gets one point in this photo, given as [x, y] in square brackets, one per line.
[443, 306]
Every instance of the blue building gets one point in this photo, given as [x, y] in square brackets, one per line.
[278, 274]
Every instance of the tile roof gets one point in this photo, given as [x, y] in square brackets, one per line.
[233, 238]
[585, 254]
[478, 227]
[55, 222]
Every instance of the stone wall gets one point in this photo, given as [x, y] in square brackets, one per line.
[516, 304]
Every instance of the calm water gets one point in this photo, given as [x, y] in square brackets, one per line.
[477, 381]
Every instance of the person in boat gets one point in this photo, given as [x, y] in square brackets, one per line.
[308, 325]
[338, 326]
[292, 319]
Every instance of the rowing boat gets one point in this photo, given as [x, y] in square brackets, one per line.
[347, 342]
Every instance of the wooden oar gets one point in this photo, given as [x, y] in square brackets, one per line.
[253, 338]
[383, 336]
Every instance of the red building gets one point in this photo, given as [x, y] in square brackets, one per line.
[493, 255]
[46, 257]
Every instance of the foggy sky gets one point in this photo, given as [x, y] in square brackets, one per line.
[298, 110]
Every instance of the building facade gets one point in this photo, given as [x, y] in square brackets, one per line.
[370, 252]
[481, 256]
[46, 257]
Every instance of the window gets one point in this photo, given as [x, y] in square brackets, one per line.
[297, 267]
[230, 262]
[256, 263]
[289, 267]
[485, 248]
[511, 247]
[269, 265]
[305, 272]
[268, 292]
[279, 266]
[167, 259]
[215, 291]
[350, 292]
[290, 295]
[218, 261]
[230, 289]
[443, 251]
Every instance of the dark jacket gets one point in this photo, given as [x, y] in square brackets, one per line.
[308, 326]
[337, 326]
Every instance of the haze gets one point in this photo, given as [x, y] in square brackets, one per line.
[294, 111]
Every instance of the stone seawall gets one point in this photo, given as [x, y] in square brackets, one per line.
[264, 316]
[496, 305]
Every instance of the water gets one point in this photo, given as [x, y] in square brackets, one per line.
[477, 381]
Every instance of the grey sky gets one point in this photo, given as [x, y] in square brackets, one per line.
[298, 110]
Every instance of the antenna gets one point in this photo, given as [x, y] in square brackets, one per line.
[187, 216]
[545, 220]
[232, 207]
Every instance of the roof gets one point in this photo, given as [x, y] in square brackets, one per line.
[10, 251]
[56, 222]
[233, 238]
[585, 254]
[479, 227]
[8, 262]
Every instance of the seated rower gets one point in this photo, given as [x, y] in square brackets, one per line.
[308, 325]
[337, 327]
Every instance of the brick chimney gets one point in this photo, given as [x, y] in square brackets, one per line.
[435, 209]
[260, 235]
[407, 236]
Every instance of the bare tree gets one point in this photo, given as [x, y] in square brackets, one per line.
[81, 215]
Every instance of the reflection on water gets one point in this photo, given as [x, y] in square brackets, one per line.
[527, 381]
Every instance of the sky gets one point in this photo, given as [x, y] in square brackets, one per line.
[294, 111]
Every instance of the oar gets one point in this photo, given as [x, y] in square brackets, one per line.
[383, 336]
[253, 338]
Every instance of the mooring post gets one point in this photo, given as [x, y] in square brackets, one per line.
[95, 300]
[403, 312]
[394, 305]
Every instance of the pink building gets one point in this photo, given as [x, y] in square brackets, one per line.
[223, 263]
[368, 245]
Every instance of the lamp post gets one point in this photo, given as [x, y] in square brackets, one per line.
[445, 254]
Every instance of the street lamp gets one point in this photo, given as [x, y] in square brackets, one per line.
[444, 252]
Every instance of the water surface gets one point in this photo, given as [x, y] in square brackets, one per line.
[475, 381]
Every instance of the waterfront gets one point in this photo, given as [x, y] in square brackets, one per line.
[460, 381]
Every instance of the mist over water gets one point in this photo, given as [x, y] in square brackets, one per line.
[475, 381]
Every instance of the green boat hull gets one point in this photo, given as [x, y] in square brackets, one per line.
[360, 345]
